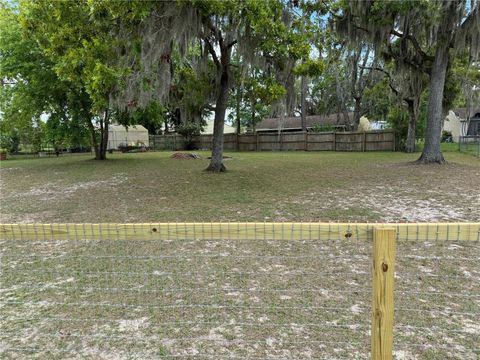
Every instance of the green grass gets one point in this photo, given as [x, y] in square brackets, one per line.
[113, 299]
[281, 186]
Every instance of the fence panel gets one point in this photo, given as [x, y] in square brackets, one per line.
[349, 142]
[222, 291]
[379, 141]
[247, 142]
[437, 297]
[469, 145]
[236, 290]
[230, 142]
[321, 141]
[276, 141]
[293, 141]
[269, 142]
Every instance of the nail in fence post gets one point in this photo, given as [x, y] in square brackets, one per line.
[384, 247]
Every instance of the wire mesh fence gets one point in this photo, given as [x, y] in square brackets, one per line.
[469, 145]
[437, 300]
[232, 291]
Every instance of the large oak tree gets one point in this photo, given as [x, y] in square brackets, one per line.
[429, 33]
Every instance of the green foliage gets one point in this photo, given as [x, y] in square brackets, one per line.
[380, 100]
[30, 86]
[80, 42]
[152, 117]
[189, 130]
[10, 142]
[446, 137]
[310, 67]
[318, 128]
[259, 91]
[398, 119]
[61, 132]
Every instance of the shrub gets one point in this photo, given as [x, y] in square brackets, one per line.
[447, 136]
[317, 128]
[189, 131]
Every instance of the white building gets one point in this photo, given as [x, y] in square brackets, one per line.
[119, 135]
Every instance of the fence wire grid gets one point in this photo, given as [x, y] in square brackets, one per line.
[469, 145]
[289, 296]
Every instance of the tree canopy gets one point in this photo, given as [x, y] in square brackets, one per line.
[69, 69]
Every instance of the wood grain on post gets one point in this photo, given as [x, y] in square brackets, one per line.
[384, 246]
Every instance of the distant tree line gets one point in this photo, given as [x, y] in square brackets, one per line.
[69, 69]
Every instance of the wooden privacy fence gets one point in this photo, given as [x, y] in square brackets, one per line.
[383, 140]
[63, 277]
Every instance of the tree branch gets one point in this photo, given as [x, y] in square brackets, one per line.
[212, 52]
[390, 80]
[209, 107]
[414, 42]
[231, 44]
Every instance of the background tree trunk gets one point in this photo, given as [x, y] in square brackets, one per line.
[410, 146]
[356, 113]
[101, 148]
[432, 152]
[303, 95]
[237, 109]
[95, 144]
[253, 105]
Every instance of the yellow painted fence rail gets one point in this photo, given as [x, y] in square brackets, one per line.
[249, 230]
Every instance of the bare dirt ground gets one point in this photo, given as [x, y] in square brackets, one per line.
[152, 187]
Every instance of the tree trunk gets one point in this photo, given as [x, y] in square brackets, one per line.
[237, 109]
[95, 143]
[431, 152]
[106, 122]
[253, 105]
[412, 126]
[101, 148]
[356, 113]
[303, 94]
[216, 163]
[238, 118]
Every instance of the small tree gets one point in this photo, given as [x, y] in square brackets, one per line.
[82, 43]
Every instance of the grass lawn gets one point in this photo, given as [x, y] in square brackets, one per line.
[234, 298]
[270, 186]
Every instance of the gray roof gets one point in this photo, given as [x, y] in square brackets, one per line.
[462, 112]
[295, 122]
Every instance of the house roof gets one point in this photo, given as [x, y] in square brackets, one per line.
[462, 112]
[295, 122]
[130, 129]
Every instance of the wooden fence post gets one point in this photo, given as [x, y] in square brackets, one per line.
[384, 247]
[334, 141]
